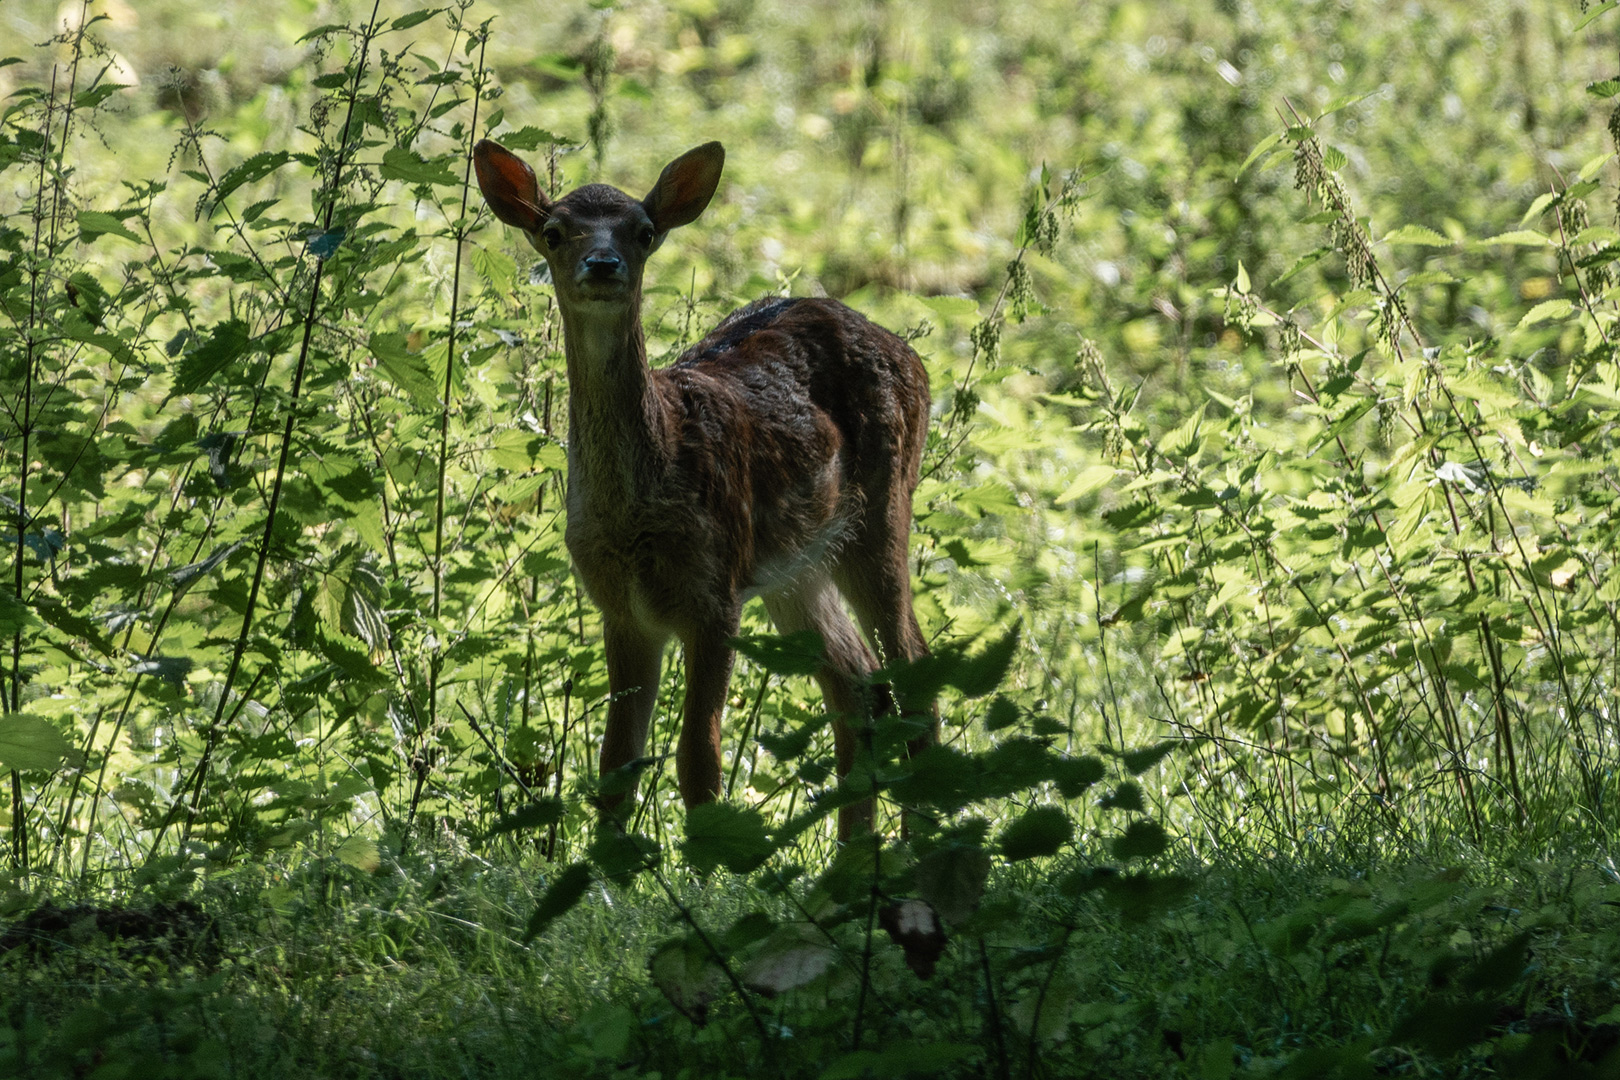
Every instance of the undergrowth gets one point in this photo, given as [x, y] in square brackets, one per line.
[1267, 554]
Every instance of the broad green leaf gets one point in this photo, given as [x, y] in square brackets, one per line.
[535, 815]
[1259, 151]
[253, 169]
[800, 653]
[725, 834]
[361, 853]
[421, 15]
[1546, 311]
[685, 970]
[1142, 839]
[1041, 831]
[28, 743]
[952, 879]
[1517, 237]
[404, 368]
[566, 890]
[400, 163]
[226, 343]
[93, 224]
[1417, 234]
[1092, 479]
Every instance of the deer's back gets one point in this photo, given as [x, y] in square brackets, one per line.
[792, 363]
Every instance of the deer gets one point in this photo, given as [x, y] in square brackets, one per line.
[777, 457]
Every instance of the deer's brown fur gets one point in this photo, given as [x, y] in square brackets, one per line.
[777, 457]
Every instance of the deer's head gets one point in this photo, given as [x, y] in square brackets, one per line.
[596, 238]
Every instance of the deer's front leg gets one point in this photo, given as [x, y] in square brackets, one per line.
[708, 674]
[633, 661]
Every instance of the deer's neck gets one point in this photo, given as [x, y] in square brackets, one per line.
[617, 423]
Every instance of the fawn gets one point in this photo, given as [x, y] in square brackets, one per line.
[776, 458]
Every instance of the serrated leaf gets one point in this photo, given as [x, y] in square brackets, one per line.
[686, 972]
[402, 367]
[400, 163]
[1420, 235]
[1095, 478]
[94, 223]
[565, 890]
[226, 342]
[535, 815]
[788, 961]
[184, 577]
[361, 853]
[1259, 151]
[1140, 761]
[253, 169]
[1519, 238]
[1128, 796]
[1041, 831]
[1142, 839]
[421, 15]
[1546, 311]
[29, 742]
[1538, 206]
[725, 834]
[1594, 14]
[800, 653]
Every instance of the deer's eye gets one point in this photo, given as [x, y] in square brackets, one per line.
[646, 236]
[551, 236]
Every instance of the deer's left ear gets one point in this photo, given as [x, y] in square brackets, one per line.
[685, 187]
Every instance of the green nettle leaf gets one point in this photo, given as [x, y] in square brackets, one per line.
[1142, 839]
[404, 368]
[183, 578]
[536, 815]
[565, 890]
[1074, 776]
[532, 138]
[250, 171]
[1125, 797]
[421, 15]
[685, 971]
[1041, 831]
[29, 742]
[622, 855]
[1001, 714]
[974, 676]
[952, 880]
[226, 342]
[1137, 762]
[399, 163]
[361, 853]
[1547, 311]
[15, 615]
[726, 834]
[1092, 479]
[792, 957]
[1419, 235]
[95, 224]
[799, 653]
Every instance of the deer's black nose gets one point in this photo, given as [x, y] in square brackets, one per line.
[603, 264]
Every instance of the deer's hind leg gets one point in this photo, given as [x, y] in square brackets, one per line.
[812, 604]
[875, 577]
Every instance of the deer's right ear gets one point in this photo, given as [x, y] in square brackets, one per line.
[509, 187]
